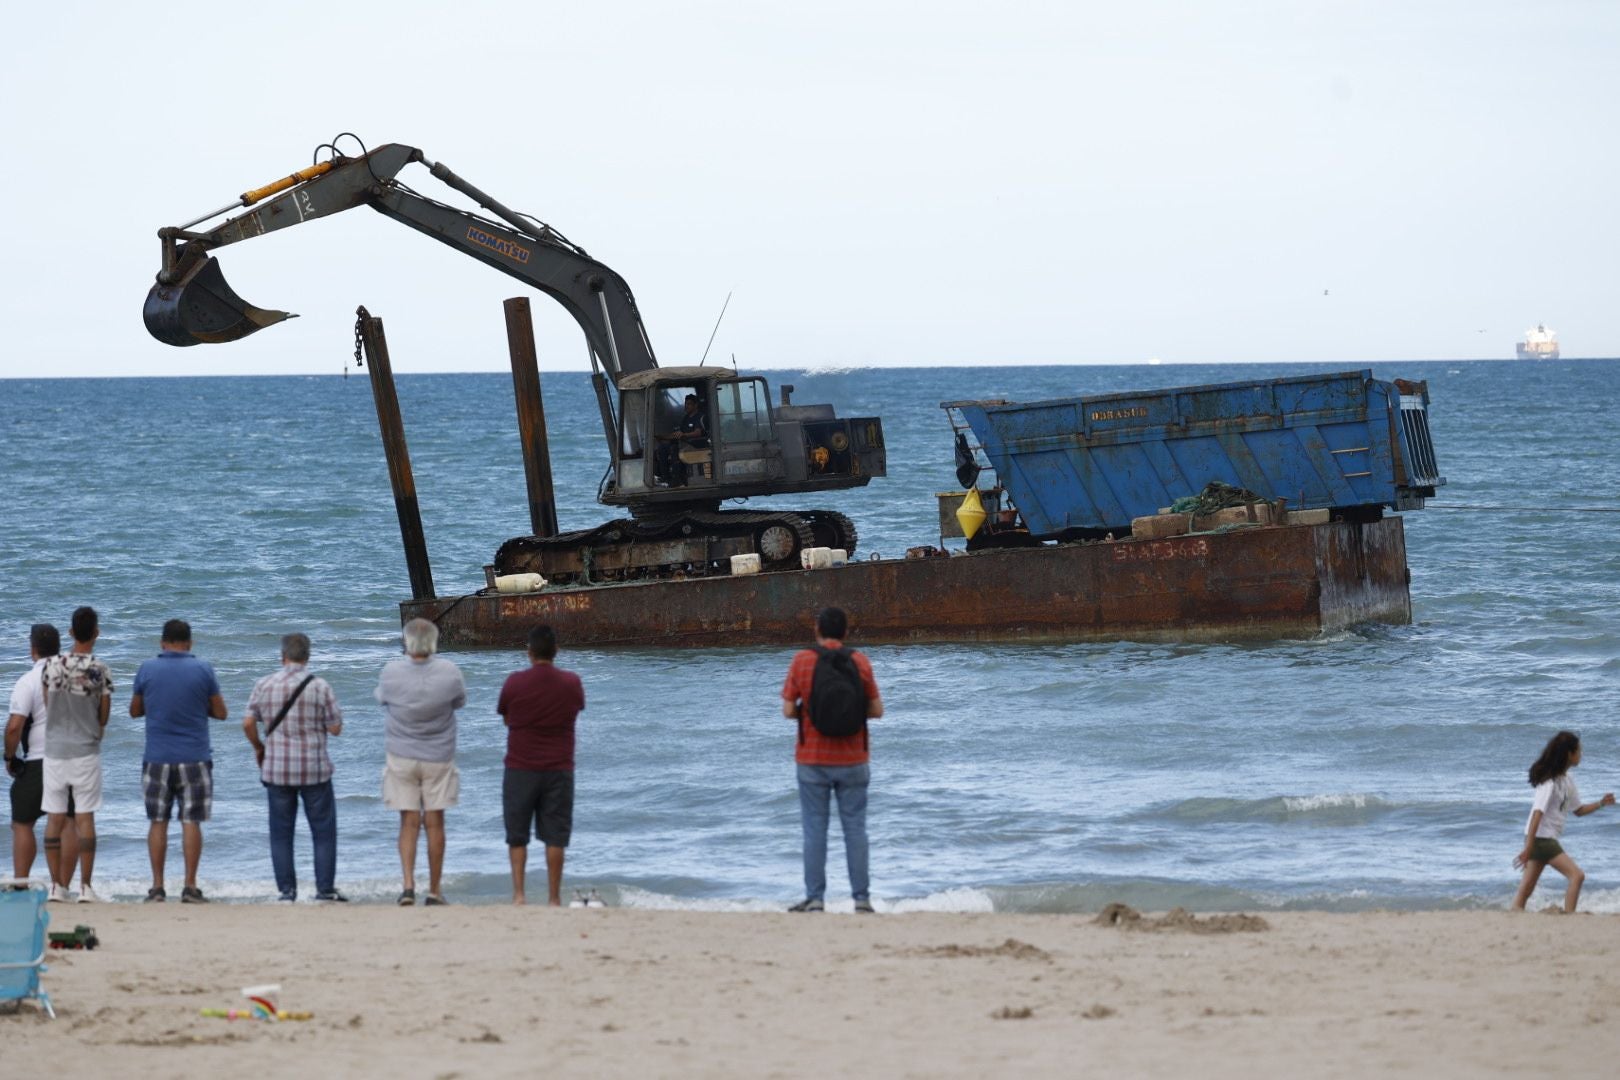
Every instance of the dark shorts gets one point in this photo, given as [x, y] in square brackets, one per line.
[28, 792]
[544, 798]
[1545, 849]
[189, 782]
[27, 788]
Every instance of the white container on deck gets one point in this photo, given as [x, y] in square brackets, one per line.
[745, 564]
[838, 557]
[519, 583]
[816, 558]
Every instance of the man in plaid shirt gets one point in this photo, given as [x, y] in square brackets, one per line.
[293, 764]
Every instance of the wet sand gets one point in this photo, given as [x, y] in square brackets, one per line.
[496, 991]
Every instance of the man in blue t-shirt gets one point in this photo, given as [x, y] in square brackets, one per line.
[177, 693]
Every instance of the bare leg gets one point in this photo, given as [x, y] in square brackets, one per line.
[554, 867]
[410, 827]
[520, 867]
[67, 854]
[434, 822]
[157, 849]
[86, 824]
[23, 849]
[1527, 884]
[191, 842]
[53, 848]
[1576, 876]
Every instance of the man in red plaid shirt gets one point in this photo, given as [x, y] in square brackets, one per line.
[293, 764]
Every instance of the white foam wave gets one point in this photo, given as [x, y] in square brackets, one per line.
[1596, 901]
[647, 900]
[950, 900]
[1304, 804]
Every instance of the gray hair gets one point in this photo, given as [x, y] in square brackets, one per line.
[295, 647]
[421, 638]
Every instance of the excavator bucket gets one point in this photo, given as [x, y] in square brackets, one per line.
[200, 308]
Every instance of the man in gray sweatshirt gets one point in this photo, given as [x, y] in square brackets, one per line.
[78, 701]
[420, 694]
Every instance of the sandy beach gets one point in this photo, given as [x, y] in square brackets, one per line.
[495, 991]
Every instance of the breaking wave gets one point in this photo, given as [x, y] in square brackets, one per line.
[1345, 808]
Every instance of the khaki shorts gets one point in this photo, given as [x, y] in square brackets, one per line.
[408, 784]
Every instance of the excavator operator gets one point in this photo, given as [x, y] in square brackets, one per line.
[691, 432]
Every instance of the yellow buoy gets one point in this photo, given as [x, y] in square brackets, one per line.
[971, 513]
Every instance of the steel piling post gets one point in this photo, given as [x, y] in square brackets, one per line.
[392, 429]
[531, 414]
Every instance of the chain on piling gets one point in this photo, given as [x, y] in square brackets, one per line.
[360, 317]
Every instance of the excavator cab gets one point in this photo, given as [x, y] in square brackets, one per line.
[750, 447]
[658, 446]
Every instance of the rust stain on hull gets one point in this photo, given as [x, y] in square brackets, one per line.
[1292, 581]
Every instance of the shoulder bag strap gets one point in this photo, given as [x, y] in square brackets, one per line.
[287, 705]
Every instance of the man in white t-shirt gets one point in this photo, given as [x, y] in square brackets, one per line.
[25, 761]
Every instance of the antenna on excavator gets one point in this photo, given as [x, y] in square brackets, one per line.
[716, 329]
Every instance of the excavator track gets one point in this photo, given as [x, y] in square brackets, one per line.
[778, 536]
[831, 529]
[680, 545]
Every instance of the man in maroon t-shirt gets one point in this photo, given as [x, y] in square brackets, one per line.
[539, 706]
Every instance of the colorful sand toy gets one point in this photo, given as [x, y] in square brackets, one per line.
[80, 937]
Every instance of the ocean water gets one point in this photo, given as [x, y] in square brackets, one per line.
[1378, 767]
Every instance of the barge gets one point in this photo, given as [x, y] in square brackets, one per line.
[1059, 556]
[1284, 581]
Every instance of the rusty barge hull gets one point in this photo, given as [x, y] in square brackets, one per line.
[1251, 584]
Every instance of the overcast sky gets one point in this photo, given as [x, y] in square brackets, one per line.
[878, 183]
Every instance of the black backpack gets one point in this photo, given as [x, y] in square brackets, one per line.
[837, 694]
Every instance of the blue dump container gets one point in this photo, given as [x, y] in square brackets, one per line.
[1082, 465]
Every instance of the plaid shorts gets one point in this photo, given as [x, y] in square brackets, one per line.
[192, 782]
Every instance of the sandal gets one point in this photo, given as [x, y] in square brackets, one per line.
[407, 898]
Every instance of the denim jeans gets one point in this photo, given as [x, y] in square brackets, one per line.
[320, 807]
[817, 786]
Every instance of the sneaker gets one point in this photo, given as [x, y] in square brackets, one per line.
[57, 895]
[155, 896]
[287, 897]
[87, 895]
[595, 900]
[808, 905]
[407, 898]
[864, 907]
[435, 900]
[579, 899]
[333, 897]
[192, 895]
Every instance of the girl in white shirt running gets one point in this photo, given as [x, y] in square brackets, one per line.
[1555, 797]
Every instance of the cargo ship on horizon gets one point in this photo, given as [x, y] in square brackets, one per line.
[1539, 344]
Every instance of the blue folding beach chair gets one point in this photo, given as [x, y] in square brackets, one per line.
[23, 920]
